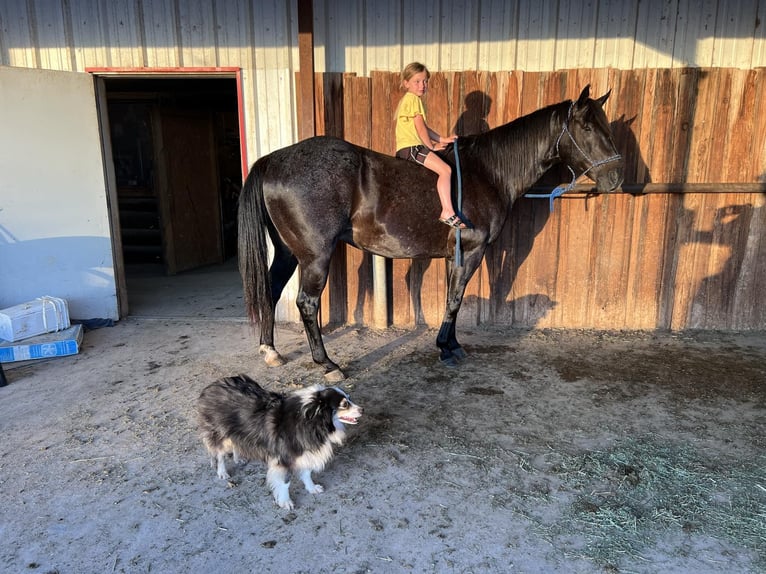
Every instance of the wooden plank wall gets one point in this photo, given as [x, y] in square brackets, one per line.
[655, 261]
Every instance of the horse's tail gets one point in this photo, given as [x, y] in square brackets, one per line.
[253, 250]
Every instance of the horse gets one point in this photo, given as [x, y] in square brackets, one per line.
[321, 190]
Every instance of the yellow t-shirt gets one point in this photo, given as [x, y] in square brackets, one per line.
[409, 107]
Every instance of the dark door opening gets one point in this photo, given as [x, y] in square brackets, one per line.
[176, 151]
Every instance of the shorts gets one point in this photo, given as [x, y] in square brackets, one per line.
[416, 153]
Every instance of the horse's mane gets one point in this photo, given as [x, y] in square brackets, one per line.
[510, 154]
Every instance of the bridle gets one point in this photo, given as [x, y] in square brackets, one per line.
[562, 189]
[593, 164]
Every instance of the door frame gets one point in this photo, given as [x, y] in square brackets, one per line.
[99, 74]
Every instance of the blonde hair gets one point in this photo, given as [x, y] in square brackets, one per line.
[412, 69]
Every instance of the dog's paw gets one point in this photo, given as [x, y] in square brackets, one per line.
[286, 504]
[316, 489]
[223, 475]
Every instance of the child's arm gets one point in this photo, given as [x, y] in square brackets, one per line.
[424, 132]
[441, 142]
[429, 137]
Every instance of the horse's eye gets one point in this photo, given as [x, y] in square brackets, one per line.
[588, 128]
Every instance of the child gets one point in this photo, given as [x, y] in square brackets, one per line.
[415, 141]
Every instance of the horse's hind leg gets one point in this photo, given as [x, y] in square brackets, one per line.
[313, 280]
[282, 268]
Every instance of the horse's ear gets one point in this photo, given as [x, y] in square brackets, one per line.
[584, 95]
[603, 98]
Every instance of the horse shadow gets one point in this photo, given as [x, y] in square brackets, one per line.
[636, 170]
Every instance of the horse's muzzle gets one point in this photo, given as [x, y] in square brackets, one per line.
[610, 178]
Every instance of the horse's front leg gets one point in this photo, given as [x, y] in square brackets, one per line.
[313, 280]
[457, 279]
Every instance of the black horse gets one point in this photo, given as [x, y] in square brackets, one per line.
[322, 190]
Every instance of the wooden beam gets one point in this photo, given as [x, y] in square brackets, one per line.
[646, 188]
[305, 104]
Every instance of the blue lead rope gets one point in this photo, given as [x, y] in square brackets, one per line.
[458, 253]
[556, 192]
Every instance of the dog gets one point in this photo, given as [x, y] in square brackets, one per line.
[292, 434]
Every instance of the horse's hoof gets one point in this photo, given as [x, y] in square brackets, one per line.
[335, 376]
[459, 353]
[271, 357]
[449, 362]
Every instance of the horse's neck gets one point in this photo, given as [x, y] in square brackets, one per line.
[515, 155]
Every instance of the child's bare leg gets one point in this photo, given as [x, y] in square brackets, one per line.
[443, 184]
[444, 189]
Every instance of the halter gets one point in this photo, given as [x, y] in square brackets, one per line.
[562, 189]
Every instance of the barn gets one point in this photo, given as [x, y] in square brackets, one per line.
[127, 128]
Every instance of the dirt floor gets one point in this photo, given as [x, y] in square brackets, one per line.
[544, 452]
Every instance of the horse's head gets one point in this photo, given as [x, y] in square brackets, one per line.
[586, 144]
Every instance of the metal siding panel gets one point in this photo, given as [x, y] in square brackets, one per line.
[420, 34]
[17, 46]
[537, 33]
[88, 38]
[497, 35]
[232, 38]
[575, 35]
[161, 29]
[122, 25]
[459, 35]
[650, 35]
[360, 37]
[694, 29]
[736, 25]
[539, 36]
[384, 33]
[339, 34]
[197, 36]
[615, 30]
[53, 47]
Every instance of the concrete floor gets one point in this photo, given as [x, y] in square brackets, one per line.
[211, 292]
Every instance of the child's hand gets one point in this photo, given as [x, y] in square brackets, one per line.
[443, 141]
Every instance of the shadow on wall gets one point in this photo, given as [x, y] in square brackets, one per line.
[473, 120]
[721, 241]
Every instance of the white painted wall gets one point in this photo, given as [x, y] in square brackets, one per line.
[55, 237]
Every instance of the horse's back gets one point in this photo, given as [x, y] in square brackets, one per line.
[325, 189]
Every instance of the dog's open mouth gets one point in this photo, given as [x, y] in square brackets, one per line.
[349, 420]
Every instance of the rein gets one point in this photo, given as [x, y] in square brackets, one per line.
[560, 190]
[459, 175]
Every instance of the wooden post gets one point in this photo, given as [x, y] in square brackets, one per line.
[305, 104]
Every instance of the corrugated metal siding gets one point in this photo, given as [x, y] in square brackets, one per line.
[494, 35]
[259, 37]
[359, 37]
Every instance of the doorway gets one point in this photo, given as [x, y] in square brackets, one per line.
[175, 144]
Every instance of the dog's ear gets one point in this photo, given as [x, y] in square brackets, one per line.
[312, 407]
[324, 400]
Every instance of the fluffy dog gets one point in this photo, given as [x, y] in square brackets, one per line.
[292, 433]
